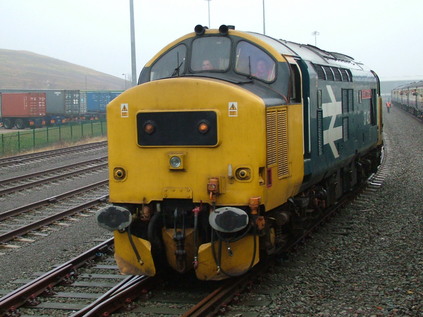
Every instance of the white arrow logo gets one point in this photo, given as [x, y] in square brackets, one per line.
[332, 109]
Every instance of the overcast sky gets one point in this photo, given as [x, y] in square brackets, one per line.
[386, 35]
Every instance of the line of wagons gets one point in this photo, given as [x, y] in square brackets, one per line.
[37, 108]
[409, 97]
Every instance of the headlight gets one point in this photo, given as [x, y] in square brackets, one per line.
[176, 161]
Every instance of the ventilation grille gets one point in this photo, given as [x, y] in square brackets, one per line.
[320, 131]
[271, 138]
[277, 140]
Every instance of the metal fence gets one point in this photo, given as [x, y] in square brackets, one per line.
[26, 140]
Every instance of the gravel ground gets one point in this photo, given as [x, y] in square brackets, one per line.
[368, 261]
[62, 243]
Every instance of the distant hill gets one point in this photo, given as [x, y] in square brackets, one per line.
[27, 70]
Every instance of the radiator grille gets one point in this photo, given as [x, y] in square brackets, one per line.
[277, 140]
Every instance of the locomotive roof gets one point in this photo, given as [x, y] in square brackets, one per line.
[310, 53]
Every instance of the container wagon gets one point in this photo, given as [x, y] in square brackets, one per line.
[23, 110]
[61, 106]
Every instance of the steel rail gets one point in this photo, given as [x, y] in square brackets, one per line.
[52, 170]
[17, 159]
[49, 220]
[51, 178]
[47, 201]
[216, 300]
[28, 292]
[119, 296]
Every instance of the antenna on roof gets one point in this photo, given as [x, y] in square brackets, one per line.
[264, 19]
[315, 33]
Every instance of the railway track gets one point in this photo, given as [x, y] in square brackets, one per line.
[61, 288]
[410, 114]
[138, 293]
[11, 231]
[50, 200]
[55, 282]
[7, 162]
[30, 180]
[88, 285]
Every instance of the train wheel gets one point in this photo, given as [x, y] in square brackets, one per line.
[269, 238]
[21, 124]
[8, 123]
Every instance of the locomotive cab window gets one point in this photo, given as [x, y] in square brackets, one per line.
[210, 54]
[252, 61]
[170, 64]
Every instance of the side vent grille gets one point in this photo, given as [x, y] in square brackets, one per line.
[271, 138]
[277, 140]
[320, 131]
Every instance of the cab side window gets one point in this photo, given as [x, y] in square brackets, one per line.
[172, 63]
[252, 61]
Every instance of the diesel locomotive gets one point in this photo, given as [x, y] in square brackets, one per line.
[231, 144]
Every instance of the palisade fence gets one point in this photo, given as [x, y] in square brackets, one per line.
[26, 140]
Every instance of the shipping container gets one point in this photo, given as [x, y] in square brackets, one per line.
[22, 109]
[58, 101]
[72, 102]
[68, 105]
[96, 101]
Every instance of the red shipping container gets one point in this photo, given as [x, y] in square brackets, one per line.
[23, 105]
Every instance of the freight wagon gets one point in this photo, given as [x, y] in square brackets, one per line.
[62, 106]
[23, 109]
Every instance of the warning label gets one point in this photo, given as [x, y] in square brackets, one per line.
[233, 109]
[124, 110]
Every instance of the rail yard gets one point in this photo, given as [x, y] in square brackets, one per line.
[364, 261]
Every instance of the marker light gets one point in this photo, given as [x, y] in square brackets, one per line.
[149, 128]
[203, 127]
